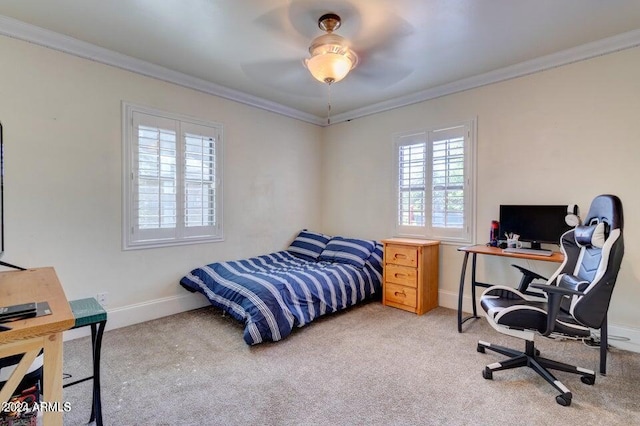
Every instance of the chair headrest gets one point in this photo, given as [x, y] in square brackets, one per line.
[591, 235]
[607, 209]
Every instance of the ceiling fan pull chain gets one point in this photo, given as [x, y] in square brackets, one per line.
[329, 105]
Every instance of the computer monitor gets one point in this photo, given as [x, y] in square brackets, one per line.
[534, 223]
[2, 263]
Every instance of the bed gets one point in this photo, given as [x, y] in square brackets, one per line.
[274, 293]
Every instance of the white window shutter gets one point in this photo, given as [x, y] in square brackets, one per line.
[434, 183]
[173, 174]
[451, 212]
[154, 178]
[411, 183]
[199, 204]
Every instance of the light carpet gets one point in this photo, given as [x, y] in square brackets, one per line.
[369, 365]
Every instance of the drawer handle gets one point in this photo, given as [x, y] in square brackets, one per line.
[397, 275]
[399, 256]
[400, 293]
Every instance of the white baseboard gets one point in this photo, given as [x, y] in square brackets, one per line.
[449, 300]
[145, 311]
[623, 337]
[620, 336]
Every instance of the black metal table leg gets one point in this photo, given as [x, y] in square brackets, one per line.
[474, 282]
[88, 312]
[463, 274]
[96, 340]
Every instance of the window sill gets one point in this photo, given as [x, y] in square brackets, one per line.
[161, 244]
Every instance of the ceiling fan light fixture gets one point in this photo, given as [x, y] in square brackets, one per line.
[331, 58]
[329, 67]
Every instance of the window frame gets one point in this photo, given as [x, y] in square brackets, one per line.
[133, 236]
[464, 235]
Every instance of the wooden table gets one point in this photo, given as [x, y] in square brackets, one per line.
[491, 251]
[31, 335]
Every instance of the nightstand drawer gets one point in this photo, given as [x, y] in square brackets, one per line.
[401, 255]
[402, 275]
[400, 294]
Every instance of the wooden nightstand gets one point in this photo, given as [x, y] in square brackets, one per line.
[411, 274]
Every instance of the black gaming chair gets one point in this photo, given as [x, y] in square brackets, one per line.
[577, 297]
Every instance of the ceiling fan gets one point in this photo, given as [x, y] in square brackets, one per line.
[331, 57]
[372, 36]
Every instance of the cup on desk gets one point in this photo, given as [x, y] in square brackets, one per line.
[513, 243]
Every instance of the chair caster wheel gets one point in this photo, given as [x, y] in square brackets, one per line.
[537, 352]
[563, 400]
[480, 348]
[487, 374]
[588, 380]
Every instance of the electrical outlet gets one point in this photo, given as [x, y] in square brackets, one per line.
[102, 299]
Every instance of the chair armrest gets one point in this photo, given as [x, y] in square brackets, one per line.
[554, 295]
[527, 277]
[552, 289]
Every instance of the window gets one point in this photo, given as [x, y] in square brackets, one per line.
[172, 179]
[434, 183]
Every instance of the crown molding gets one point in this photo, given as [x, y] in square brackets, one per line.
[33, 34]
[580, 53]
[26, 32]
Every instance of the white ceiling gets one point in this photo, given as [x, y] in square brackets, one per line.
[252, 50]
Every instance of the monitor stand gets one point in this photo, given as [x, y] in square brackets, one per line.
[535, 245]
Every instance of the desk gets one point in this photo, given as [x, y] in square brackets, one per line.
[30, 336]
[491, 251]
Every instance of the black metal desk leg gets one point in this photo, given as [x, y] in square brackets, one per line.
[96, 341]
[473, 284]
[461, 290]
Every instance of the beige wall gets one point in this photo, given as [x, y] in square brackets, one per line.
[561, 136]
[63, 147]
[557, 137]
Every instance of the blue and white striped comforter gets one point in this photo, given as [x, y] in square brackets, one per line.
[276, 292]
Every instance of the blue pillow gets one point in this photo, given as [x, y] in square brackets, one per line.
[308, 245]
[351, 251]
[375, 259]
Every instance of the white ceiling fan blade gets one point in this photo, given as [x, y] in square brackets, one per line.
[380, 73]
[387, 37]
[288, 76]
[277, 23]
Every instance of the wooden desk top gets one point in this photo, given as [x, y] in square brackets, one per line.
[495, 251]
[34, 285]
